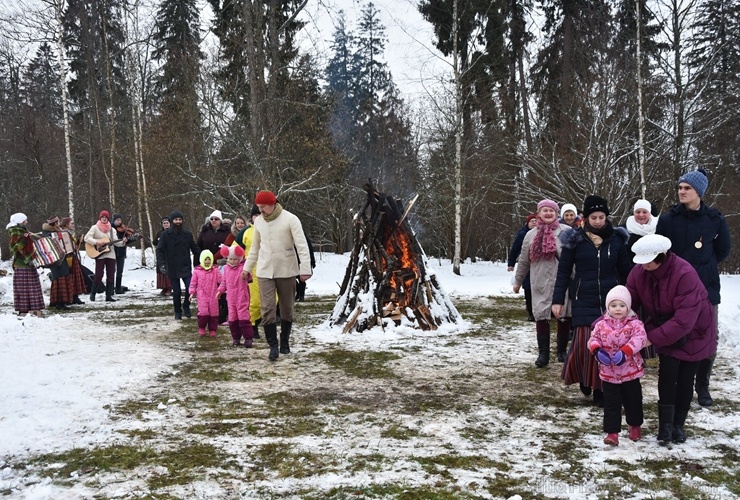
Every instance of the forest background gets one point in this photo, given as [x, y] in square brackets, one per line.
[144, 106]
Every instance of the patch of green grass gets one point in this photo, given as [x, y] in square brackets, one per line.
[132, 408]
[144, 435]
[361, 364]
[442, 491]
[400, 432]
[440, 464]
[185, 465]
[284, 461]
[83, 460]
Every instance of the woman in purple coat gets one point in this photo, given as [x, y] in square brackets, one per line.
[680, 323]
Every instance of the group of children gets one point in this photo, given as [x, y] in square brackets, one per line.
[208, 283]
[616, 341]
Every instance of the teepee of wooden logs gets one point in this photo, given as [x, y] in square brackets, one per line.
[387, 281]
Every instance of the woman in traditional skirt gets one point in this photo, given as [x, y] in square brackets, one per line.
[27, 295]
[59, 296]
[76, 281]
[163, 282]
[599, 254]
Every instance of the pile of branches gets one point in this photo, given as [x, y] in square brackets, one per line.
[387, 279]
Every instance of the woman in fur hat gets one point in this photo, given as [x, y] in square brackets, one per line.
[59, 295]
[594, 260]
[76, 281]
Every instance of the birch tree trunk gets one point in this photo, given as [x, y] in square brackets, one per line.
[58, 12]
[456, 261]
[640, 111]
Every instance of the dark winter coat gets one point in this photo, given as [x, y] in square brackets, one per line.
[173, 252]
[210, 239]
[516, 250]
[679, 318]
[685, 228]
[597, 270]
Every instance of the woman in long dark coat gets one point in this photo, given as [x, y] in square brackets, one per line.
[597, 252]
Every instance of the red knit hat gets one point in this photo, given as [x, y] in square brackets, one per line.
[104, 213]
[265, 198]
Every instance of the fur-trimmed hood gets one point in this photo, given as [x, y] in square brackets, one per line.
[572, 237]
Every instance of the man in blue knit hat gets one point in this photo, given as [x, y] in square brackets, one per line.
[698, 234]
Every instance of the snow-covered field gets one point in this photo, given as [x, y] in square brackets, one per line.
[62, 373]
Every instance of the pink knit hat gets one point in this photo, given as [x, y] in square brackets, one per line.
[548, 203]
[619, 292]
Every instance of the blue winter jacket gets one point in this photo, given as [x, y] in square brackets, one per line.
[516, 249]
[686, 228]
[597, 270]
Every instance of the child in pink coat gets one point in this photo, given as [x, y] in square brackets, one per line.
[237, 295]
[616, 341]
[204, 285]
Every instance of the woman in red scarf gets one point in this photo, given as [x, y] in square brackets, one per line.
[102, 236]
[539, 257]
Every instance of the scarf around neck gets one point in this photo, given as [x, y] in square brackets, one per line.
[275, 213]
[105, 227]
[597, 236]
[634, 227]
[544, 246]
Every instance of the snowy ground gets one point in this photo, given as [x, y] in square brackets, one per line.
[64, 373]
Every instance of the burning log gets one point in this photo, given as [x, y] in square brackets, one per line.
[387, 278]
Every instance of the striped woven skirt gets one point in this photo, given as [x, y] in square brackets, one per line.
[27, 295]
[580, 366]
[76, 282]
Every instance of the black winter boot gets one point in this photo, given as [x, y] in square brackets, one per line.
[665, 424]
[272, 341]
[178, 305]
[702, 382]
[679, 418]
[109, 292]
[285, 327]
[543, 343]
[562, 342]
[186, 307]
[92, 296]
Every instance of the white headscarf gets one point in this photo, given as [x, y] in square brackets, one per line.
[16, 220]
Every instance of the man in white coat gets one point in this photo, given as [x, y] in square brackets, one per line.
[277, 246]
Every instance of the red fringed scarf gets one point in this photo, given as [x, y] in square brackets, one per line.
[544, 246]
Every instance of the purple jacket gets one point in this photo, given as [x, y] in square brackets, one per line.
[204, 285]
[611, 334]
[237, 293]
[679, 318]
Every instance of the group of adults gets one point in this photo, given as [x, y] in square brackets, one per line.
[669, 263]
[277, 252]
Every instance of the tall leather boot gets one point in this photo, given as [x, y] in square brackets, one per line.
[118, 284]
[679, 418]
[543, 343]
[109, 292]
[702, 381]
[272, 341]
[285, 327]
[92, 294]
[665, 424]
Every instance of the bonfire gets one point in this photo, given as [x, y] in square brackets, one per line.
[387, 281]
